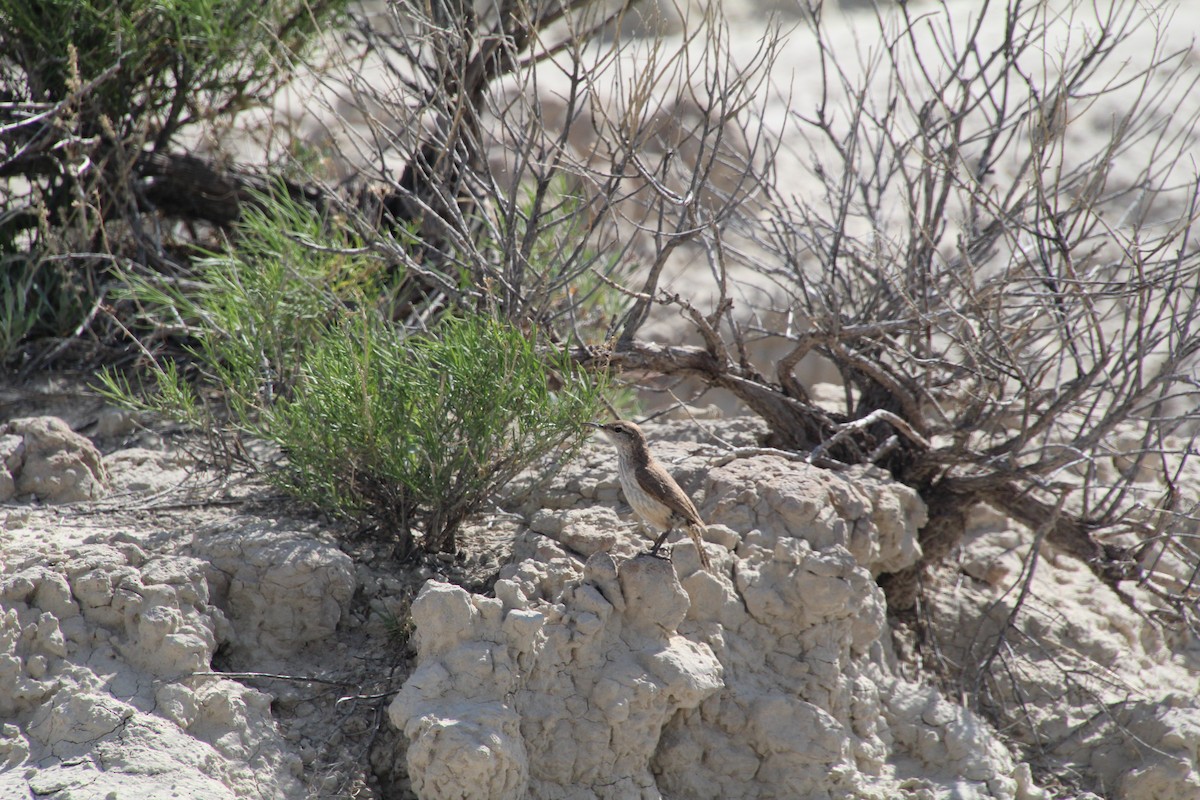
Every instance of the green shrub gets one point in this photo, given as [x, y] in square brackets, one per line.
[425, 427]
[90, 88]
[158, 63]
[23, 305]
[399, 428]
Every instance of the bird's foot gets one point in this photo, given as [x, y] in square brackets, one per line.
[653, 553]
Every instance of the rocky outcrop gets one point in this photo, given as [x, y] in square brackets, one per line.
[97, 644]
[589, 670]
[283, 590]
[595, 672]
[109, 628]
[516, 696]
[44, 458]
[1108, 694]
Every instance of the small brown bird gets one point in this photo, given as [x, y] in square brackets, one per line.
[650, 489]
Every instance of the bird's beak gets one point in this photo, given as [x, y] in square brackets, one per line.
[593, 425]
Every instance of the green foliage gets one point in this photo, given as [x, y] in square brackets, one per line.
[37, 299]
[89, 86]
[399, 428]
[399, 628]
[250, 314]
[570, 284]
[426, 426]
[168, 61]
[22, 305]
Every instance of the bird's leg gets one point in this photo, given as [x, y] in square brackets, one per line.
[659, 543]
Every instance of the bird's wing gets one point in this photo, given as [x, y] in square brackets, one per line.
[677, 501]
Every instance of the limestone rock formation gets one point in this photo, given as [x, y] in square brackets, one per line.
[1090, 679]
[516, 696]
[108, 632]
[589, 670]
[96, 643]
[598, 673]
[282, 589]
[43, 457]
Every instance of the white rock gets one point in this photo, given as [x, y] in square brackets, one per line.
[95, 643]
[1114, 695]
[282, 590]
[579, 698]
[51, 462]
[771, 678]
[479, 758]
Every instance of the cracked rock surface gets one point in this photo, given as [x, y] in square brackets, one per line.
[154, 643]
[595, 672]
[518, 696]
[43, 458]
[97, 643]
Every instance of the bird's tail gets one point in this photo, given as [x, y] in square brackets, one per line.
[697, 534]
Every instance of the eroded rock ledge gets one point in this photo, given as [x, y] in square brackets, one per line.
[589, 672]
[596, 672]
